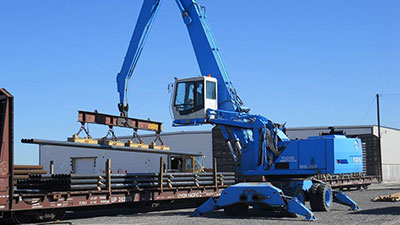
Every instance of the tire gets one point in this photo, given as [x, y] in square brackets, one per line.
[321, 197]
[238, 209]
[312, 192]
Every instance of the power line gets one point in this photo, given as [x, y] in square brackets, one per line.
[369, 108]
[388, 94]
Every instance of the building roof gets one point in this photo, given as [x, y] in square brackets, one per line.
[338, 127]
[327, 127]
[289, 128]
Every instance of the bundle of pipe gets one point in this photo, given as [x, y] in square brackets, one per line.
[171, 180]
[60, 182]
[69, 182]
[23, 171]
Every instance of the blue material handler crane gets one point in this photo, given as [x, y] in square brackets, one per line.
[259, 146]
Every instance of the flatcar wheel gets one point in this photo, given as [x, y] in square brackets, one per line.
[49, 215]
[20, 217]
[60, 214]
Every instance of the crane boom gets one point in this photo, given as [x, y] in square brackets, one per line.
[206, 50]
[208, 54]
[139, 36]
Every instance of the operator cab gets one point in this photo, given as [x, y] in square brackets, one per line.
[191, 99]
[190, 164]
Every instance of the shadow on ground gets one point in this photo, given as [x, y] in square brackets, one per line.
[392, 210]
[170, 211]
[121, 211]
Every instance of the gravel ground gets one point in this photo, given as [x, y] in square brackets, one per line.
[372, 213]
[387, 213]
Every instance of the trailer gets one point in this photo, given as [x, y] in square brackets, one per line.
[33, 195]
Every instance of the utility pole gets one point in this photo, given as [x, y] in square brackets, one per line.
[379, 136]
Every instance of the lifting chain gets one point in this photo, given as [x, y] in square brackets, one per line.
[110, 131]
[83, 128]
[158, 138]
[136, 136]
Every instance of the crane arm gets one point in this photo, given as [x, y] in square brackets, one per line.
[140, 34]
[208, 55]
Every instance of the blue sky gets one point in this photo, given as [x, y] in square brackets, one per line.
[307, 63]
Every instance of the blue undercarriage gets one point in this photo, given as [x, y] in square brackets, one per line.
[265, 195]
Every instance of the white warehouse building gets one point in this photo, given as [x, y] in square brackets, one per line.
[92, 161]
[384, 163]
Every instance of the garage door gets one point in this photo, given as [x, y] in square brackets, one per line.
[86, 165]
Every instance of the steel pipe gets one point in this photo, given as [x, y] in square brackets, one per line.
[28, 167]
[26, 172]
[85, 187]
[84, 181]
[173, 184]
[172, 174]
[105, 147]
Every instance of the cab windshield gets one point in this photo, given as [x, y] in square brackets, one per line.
[189, 97]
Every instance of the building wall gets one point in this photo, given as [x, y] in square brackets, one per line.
[201, 141]
[390, 172]
[196, 142]
[390, 145]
